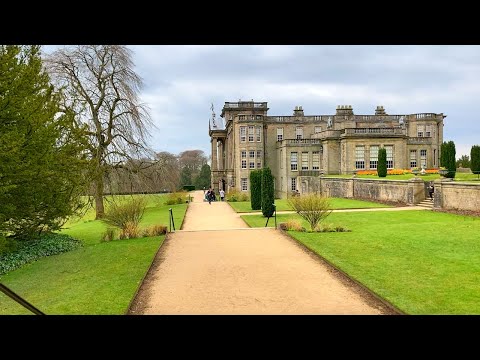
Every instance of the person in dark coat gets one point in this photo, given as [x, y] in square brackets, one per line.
[431, 190]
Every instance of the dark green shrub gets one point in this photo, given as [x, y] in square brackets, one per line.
[256, 189]
[382, 162]
[447, 158]
[7, 245]
[475, 159]
[28, 251]
[188, 187]
[268, 196]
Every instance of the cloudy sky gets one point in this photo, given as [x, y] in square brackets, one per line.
[182, 81]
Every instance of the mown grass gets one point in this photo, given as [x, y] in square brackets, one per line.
[423, 262]
[336, 203]
[100, 278]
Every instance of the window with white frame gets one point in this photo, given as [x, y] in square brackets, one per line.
[279, 134]
[251, 154]
[374, 156]
[293, 184]
[259, 159]
[243, 182]
[389, 149]
[304, 160]
[315, 160]
[428, 131]
[244, 154]
[318, 129]
[420, 130]
[251, 164]
[243, 133]
[413, 159]
[360, 157]
[251, 133]
[259, 154]
[258, 129]
[423, 158]
[293, 161]
[244, 164]
[298, 133]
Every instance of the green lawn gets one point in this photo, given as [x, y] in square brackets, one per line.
[427, 177]
[423, 262]
[100, 278]
[337, 203]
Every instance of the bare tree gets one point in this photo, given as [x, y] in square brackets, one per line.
[102, 87]
[312, 207]
[193, 160]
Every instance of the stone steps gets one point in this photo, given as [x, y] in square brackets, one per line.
[427, 203]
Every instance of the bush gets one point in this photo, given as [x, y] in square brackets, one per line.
[312, 207]
[129, 231]
[292, 225]
[256, 189]
[126, 214]
[382, 162]
[154, 230]
[176, 198]
[28, 251]
[7, 245]
[109, 235]
[331, 228]
[233, 195]
[243, 197]
[188, 187]
[268, 196]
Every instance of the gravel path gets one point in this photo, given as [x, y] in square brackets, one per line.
[217, 265]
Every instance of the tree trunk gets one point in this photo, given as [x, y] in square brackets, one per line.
[99, 209]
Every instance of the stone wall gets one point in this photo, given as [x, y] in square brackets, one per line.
[456, 195]
[409, 192]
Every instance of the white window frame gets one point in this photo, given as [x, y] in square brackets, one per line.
[251, 154]
[315, 160]
[244, 184]
[251, 133]
[299, 132]
[251, 164]
[304, 160]
[390, 156]
[318, 129]
[293, 184]
[360, 157]
[279, 134]
[258, 131]
[373, 163]
[294, 161]
[243, 133]
[423, 158]
[244, 154]
[244, 164]
[413, 159]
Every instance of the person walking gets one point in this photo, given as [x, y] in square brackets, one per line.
[210, 196]
[222, 195]
[431, 190]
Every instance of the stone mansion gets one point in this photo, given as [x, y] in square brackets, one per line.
[299, 147]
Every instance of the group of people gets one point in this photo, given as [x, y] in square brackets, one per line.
[210, 195]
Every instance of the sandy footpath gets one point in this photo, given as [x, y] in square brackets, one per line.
[209, 269]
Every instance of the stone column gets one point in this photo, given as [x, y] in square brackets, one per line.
[220, 154]
[416, 191]
[214, 154]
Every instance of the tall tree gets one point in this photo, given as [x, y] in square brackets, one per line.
[268, 192]
[382, 162]
[102, 87]
[447, 158]
[194, 160]
[186, 176]
[41, 161]
[463, 161]
[475, 159]
[256, 189]
[203, 180]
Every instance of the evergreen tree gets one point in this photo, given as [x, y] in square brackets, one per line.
[382, 162]
[447, 158]
[41, 163]
[185, 176]
[475, 159]
[203, 180]
[256, 189]
[268, 195]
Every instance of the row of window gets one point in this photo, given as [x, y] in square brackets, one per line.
[254, 133]
[251, 161]
[424, 130]
[423, 158]
[305, 160]
[360, 156]
[250, 117]
[298, 132]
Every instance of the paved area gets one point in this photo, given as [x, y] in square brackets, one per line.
[217, 265]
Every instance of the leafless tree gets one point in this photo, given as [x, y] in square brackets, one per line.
[101, 85]
[193, 159]
[312, 207]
